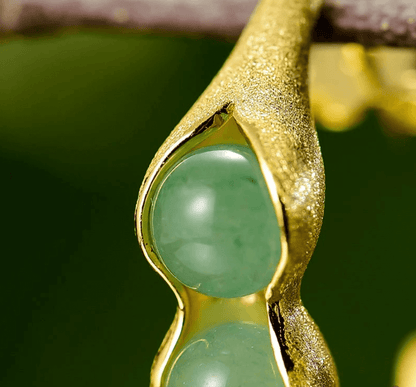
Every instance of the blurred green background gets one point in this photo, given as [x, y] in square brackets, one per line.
[81, 116]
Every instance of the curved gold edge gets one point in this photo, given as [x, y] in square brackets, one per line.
[304, 352]
[166, 349]
[151, 183]
[301, 352]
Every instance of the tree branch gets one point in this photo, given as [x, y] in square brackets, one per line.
[371, 22]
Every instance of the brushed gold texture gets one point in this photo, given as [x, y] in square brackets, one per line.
[259, 97]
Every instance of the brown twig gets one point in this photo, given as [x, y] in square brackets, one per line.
[371, 22]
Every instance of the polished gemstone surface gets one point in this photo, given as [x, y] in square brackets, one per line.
[231, 355]
[213, 222]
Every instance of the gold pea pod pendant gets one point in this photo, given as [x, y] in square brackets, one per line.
[229, 214]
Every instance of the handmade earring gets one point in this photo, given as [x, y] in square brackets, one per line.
[229, 214]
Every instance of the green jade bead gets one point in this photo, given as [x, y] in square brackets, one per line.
[231, 355]
[213, 223]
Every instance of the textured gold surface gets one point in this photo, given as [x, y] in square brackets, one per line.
[263, 88]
